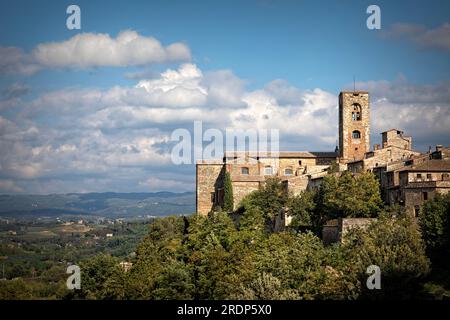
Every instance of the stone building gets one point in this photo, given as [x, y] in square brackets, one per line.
[411, 180]
[394, 148]
[394, 162]
[410, 183]
[248, 172]
[354, 125]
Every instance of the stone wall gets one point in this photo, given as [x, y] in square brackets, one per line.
[335, 230]
[396, 138]
[242, 189]
[208, 181]
[384, 156]
[416, 193]
[349, 147]
[295, 185]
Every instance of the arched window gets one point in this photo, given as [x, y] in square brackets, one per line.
[268, 171]
[288, 172]
[244, 171]
[356, 112]
[356, 134]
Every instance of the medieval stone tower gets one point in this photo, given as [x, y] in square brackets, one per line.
[354, 130]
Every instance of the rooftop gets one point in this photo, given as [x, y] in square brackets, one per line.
[430, 165]
[357, 92]
[282, 154]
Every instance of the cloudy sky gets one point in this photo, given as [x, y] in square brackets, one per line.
[93, 109]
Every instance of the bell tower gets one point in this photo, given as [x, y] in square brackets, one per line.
[354, 125]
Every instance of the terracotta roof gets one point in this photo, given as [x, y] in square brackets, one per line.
[430, 165]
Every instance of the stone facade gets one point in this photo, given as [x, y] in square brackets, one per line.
[381, 157]
[354, 128]
[411, 182]
[419, 183]
[249, 172]
[209, 181]
[396, 138]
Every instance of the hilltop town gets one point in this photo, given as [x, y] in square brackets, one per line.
[407, 177]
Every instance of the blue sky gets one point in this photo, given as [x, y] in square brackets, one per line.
[308, 43]
[285, 59]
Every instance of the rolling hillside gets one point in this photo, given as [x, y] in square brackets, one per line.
[109, 204]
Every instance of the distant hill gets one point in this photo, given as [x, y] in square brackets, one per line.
[108, 204]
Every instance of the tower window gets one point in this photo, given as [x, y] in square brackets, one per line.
[356, 134]
[244, 171]
[356, 112]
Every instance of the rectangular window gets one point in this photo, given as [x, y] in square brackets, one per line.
[245, 171]
[428, 176]
[268, 171]
[425, 196]
[416, 211]
[419, 176]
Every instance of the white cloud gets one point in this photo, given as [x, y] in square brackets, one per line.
[422, 111]
[14, 60]
[118, 139]
[176, 88]
[14, 91]
[90, 50]
[436, 38]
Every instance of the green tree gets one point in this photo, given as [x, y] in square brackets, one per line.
[434, 220]
[228, 202]
[349, 196]
[252, 225]
[94, 274]
[302, 208]
[265, 287]
[269, 199]
[396, 246]
[162, 244]
[174, 282]
[290, 257]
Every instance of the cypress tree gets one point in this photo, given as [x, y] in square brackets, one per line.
[228, 194]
